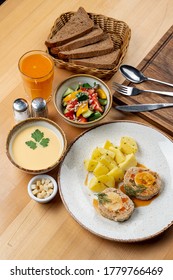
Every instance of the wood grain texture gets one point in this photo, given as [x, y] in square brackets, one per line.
[158, 65]
[32, 231]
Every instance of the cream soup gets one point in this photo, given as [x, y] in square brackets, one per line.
[36, 148]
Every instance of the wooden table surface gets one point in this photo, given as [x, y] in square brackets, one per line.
[33, 231]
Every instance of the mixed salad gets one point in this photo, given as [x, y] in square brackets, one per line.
[85, 103]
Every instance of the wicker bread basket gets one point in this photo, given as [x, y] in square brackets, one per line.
[119, 32]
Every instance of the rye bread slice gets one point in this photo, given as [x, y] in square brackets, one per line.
[107, 61]
[92, 37]
[78, 25]
[100, 48]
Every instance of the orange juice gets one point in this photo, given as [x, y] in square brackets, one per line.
[37, 70]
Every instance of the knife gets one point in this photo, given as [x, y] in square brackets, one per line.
[142, 107]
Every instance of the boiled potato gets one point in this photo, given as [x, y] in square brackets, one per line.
[119, 156]
[107, 152]
[107, 145]
[90, 164]
[117, 173]
[95, 185]
[109, 181]
[128, 145]
[108, 161]
[130, 161]
[100, 169]
[96, 154]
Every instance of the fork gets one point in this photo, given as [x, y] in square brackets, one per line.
[131, 91]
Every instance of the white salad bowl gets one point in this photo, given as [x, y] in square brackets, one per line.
[72, 82]
[42, 178]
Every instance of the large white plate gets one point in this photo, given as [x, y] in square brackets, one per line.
[155, 151]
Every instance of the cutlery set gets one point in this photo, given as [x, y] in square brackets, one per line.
[134, 75]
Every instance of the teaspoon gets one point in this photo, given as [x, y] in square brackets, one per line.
[134, 75]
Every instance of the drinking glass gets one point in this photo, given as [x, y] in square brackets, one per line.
[37, 72]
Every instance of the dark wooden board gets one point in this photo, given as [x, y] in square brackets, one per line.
[158, 64]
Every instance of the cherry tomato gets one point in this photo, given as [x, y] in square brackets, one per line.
[70, 115]
[95, 102]
[71, 104]
[82, 119]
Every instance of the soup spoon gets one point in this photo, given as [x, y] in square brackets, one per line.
[134, 75]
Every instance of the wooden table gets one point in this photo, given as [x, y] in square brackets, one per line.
[30, 230]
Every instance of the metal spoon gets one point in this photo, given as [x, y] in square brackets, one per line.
[134, 75]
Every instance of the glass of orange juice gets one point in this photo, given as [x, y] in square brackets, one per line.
[37, 71]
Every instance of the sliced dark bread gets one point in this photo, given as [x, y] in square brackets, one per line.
[93, 36]
[78, 25]
[106, 61]
[100, 48]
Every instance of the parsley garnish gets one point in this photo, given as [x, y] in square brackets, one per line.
[134, 191]
[31, 144]
[103, 198]
[44, 142]
[38, 136]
